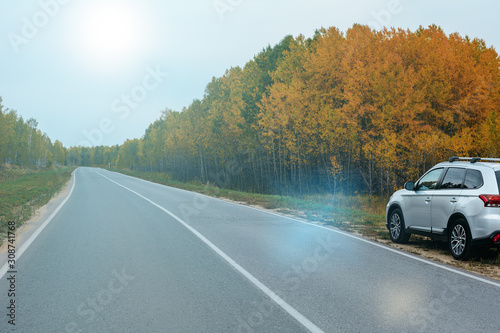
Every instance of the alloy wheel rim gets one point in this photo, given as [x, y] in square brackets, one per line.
[458, 239]
[395, 226]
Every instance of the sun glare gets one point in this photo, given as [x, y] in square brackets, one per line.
[109, 34]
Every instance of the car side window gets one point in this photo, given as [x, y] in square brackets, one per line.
[454, 178]
[429, 181]
[473, 179]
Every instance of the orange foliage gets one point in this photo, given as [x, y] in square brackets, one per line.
[339, 111]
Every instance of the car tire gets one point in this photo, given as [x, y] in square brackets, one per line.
[459, 239]
[397, 230]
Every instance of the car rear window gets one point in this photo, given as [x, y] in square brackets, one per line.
[497, 173]
[474, 179]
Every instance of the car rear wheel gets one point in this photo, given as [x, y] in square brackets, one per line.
[397, 230]
[459, 239]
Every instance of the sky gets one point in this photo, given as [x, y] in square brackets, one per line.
[98, 72]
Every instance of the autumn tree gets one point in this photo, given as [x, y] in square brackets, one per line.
[361, 110]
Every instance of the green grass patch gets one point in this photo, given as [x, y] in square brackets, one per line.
[357, 213]
[22, 191]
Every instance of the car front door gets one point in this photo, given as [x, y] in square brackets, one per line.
[417, 210]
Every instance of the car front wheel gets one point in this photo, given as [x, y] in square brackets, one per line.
[459, 239]
[397, 227]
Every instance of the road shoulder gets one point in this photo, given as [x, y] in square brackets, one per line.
[35, 222]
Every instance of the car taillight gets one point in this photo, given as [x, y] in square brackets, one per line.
[496, 239]
[490, 200]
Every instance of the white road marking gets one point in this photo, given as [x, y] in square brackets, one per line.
[282, 303]
[385, 247]
[22, 249]
[423, 260]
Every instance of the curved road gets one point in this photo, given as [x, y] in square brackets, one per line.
[127, 255]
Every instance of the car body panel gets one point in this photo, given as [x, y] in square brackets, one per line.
[417, 209]
[443, 205]
[430, 211]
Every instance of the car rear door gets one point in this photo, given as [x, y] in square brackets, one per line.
[445, 198]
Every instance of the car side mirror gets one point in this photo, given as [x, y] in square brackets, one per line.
[410, 186]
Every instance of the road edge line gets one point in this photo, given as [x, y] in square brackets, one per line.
[27, 243]
[443, 266]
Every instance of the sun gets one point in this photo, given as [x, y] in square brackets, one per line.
[109, 33]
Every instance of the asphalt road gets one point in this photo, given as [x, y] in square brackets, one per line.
[126, 255]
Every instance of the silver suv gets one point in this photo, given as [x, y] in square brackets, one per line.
[457, 201]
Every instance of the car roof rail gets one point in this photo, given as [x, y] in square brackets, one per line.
[473, 159]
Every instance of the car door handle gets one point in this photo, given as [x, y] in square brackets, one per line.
[453, 200]
[427, 200]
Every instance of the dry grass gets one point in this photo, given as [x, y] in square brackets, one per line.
[22, 191]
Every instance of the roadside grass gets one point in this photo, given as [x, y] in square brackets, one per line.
[359, 214]
[23, 191]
